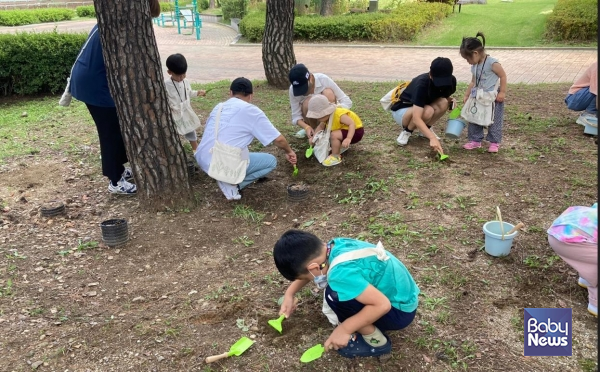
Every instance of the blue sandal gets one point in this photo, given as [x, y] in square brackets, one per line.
[358, 347]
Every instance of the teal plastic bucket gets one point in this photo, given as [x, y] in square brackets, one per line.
[454, 128]
[494, 245]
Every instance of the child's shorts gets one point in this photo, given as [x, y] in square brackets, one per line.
[358, 135]
[398, 115]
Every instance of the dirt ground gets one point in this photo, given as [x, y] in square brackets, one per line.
[188, 284]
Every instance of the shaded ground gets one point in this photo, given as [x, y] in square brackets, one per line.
[189, 283]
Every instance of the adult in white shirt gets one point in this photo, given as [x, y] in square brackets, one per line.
[303, 84]
[240, 122]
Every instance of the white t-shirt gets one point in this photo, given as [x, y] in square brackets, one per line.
[239, 124]
[322, 82]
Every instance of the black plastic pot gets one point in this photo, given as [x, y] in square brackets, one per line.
[191, 165]
[297, 193]
[115, 232]
[52, 208]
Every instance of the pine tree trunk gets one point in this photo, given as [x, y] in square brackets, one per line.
[326, 7]
[136, 84]
[211, 4]
[277, 46]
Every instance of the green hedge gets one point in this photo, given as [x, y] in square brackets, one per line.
[234, 9]
[402, 24]
[32, 16]
[573, 20]
[86, 11]
[167, 7]
[54, 54]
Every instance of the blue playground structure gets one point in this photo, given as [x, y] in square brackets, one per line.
[189, 15]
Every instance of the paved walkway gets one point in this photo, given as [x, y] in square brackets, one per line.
[214, 57]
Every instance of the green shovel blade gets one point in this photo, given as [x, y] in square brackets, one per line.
[309, 152]
[295, 173]
[313, 353]
[240, 346]
[276, 323]
[454, 114]
[443, 157]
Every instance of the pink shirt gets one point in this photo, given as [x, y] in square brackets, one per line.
[589, 79]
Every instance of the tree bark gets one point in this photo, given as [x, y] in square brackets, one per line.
[136, 84]
[211, 4]
[278, 42]
[326, 7]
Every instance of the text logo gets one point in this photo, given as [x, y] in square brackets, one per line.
[548, 332]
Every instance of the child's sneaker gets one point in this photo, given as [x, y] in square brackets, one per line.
[583, 283]
[494, 147]
[403, 137]
[300, 134]
[358, 347]
[332, 160]
[127, 174]
[436, 136]
[593, 310]
[231, 192]
[472, 145]
[122, 187]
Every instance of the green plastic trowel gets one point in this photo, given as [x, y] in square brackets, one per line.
[313, 353]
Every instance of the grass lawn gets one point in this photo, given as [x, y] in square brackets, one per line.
[516, 24]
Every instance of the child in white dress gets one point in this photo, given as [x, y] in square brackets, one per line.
[180, 93]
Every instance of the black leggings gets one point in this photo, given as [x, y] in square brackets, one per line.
[112, 147]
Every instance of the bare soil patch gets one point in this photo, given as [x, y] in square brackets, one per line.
[189, 284]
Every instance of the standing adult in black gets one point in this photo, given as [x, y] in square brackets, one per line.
[89, 84]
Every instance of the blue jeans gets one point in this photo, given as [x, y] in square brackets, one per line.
[260, 165]
[581, 100]
[394, 320]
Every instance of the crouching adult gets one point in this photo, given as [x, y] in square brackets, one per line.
[239, 123]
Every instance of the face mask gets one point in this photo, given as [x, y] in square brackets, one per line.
[320, 281]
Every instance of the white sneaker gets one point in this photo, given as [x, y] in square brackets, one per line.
[123, 187]
[127, 174]
[593, 310]
[583, 283]
[587, 118]
[436, 136]
[300, 134]
[230, 191]
[403, 138]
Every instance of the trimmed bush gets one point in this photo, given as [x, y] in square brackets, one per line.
[54, 54]
[402, 24]
[203, 5]
[573, 20]
[234, 9]
[32, 16]
[86, 11]
[167, 7]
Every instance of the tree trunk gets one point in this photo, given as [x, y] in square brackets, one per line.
[211, 4]
[136, 84]
[277, 46]
[326, 7]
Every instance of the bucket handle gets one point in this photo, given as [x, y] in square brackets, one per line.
[499, 216]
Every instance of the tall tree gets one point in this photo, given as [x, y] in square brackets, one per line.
[278, 42]
[326, 7]
[136, 84]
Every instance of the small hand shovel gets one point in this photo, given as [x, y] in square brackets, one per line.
[276, 323]
[313, 353]
[454, 114]
[442, 156]
[309, 152]
[295, 173]
[236, 349]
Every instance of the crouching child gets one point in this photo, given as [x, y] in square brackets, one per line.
[368, 289]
